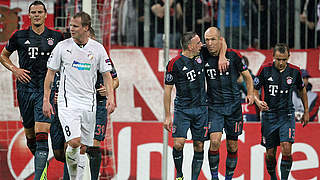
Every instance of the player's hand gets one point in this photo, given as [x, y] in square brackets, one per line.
[249, 99]
[167, 124]
[263, 106]
[102, 90]
[55, 98]
[47, 109]
[21, 75]
[110, 106]
[305, 119]
[223, 64]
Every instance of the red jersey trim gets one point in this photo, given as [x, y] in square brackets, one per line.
[172, 61]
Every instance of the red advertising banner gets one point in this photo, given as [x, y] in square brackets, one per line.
[138, 152]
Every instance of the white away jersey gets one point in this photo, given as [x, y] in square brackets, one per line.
[78, 68]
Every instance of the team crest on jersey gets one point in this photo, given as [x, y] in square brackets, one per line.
[289, 80]
[256, 81]
[90, 56]
[198, 59]
[50, 41]
[169, 77]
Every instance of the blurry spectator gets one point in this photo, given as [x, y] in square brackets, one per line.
[128, 22]
[313, 100]
[232, 24]
[318, 13]
[158, 9]
[308, 22]
[206, 14]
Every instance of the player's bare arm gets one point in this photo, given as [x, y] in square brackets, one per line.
[249, 83]
[263, 106]
[223, 61]
[20, 74]
[107, 80]
[167, 124]
[304, 98]
[48, 83]
[103, 90]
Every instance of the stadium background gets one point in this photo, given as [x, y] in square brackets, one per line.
[137, 129]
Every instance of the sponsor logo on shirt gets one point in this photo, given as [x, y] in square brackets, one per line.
[81, 66]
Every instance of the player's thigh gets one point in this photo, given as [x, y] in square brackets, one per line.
[181, 123]
[234, 124]
[287, 130]
[56, 134]
[70, 120]
[26, 107]
[88, 124]
[269, 130]
[38, 114]
[215, 120]
[199, 128]
[101, 122]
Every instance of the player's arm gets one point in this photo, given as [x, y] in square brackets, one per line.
[20, 74]
[249, 83]
[223, 61]
[304, 98]
[48, 84]
[108, 83]
[115, 82]
[167, 124]
[258, 83]
[103, 90]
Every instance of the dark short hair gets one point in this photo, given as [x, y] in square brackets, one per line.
[36, 3]
[85, 18]
[186, 38]
[282, 48]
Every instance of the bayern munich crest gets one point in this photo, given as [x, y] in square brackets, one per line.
[198, 59]
[289, 80]
[50, 41]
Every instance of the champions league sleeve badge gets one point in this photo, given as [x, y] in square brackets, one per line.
[169, 77]
[256, 81]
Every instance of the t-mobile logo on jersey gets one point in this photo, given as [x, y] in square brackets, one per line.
[191, 75]
[212, 73]
[33, 52]
[273, 89]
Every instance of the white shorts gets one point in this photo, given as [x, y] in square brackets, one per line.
[78, 123]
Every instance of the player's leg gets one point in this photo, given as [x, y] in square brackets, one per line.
[233, 128]
[70, 120]
[94, 151]
[199, 135]
[27, 115]
[216, 124]
[286, 133]
[181, 124]
[87, 133]
[270, 140]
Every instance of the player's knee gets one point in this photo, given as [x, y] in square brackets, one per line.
[59, 155]
[232, 146]
[178, 145]
[215, 144]
[198, 146]
[286, 148]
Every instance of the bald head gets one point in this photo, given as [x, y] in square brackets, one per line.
[212, 39]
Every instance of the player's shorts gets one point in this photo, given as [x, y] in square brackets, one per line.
[56, 133]
[194, 118]
[277, 127]
[101, 123]
[232, 122]
[30, 105]
[78, 123]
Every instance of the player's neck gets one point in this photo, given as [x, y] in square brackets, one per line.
[38, 29]
[188, 54]
[83, 40]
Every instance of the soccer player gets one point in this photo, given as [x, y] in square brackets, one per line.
[224, 107]
[78, 59]
[186, 72]
[278, 80]
[102, 117]
[34, 46]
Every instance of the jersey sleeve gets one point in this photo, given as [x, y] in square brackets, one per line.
[241, 66]
[54, 60]
[104, 64]
[12, 43]
[170, 75]
[299, 82]
[258, 81]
